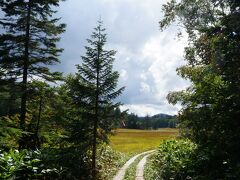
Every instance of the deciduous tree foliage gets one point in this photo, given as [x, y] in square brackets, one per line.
[211, 106]
[28, 45]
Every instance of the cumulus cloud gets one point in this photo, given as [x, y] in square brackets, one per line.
[149, 109]
[146, 58]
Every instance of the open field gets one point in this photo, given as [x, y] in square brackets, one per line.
[132, 141]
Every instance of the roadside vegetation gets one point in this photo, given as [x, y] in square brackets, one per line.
[35, 165]
[109, 161]
[173, 160]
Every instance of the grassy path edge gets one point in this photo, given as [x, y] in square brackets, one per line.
[121, 172]
[140, 167]
[131, 170]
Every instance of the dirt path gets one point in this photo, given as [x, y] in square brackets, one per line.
[140, 168]
[121, 172]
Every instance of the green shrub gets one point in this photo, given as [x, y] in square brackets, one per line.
[174, 160]
[22, 165]
[75, 164]
[72, 163]
[182, 159]
[109, 162]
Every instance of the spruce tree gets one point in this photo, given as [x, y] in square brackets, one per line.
[28, 45]
[96, 88]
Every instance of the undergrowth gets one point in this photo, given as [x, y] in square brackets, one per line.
[109, 162]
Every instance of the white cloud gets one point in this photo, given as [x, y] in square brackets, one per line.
[150, 109]
[152, 73]
[123, 74]
[146, 58]
[145, 88]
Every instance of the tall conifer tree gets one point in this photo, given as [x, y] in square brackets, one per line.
[28, 44]
[96, 89]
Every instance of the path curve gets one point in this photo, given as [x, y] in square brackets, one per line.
[140, 168]
[122, 171]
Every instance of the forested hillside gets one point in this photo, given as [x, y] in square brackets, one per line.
[133, 121]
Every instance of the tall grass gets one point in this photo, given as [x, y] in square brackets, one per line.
[130, 141]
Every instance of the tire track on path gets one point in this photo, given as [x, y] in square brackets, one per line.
[140, 167]
[122, 171]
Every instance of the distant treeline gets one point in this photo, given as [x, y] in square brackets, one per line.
[133, 121]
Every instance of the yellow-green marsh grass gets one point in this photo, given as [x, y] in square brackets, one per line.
[131, 141]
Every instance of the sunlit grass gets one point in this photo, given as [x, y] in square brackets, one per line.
[131, 141]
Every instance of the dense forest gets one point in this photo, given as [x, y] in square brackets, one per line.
[54, 126]
[133, 121]
[51, 125]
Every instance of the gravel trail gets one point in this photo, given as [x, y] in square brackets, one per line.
[140, 168]
[121, 172]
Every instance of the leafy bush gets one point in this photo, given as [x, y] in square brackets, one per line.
[22, 165]
[109, 162]
[9, 132]
[182, 159]
[174, 160]
[75, 164]
[72, 163]
[59, 164]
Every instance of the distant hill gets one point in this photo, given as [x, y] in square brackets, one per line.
[161, 115]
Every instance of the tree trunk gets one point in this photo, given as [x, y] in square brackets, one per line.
[94, 173]
[94, 153]
[39, 114]
[25, 74]
[36, 138]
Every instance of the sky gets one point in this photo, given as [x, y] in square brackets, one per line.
[146, 57]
